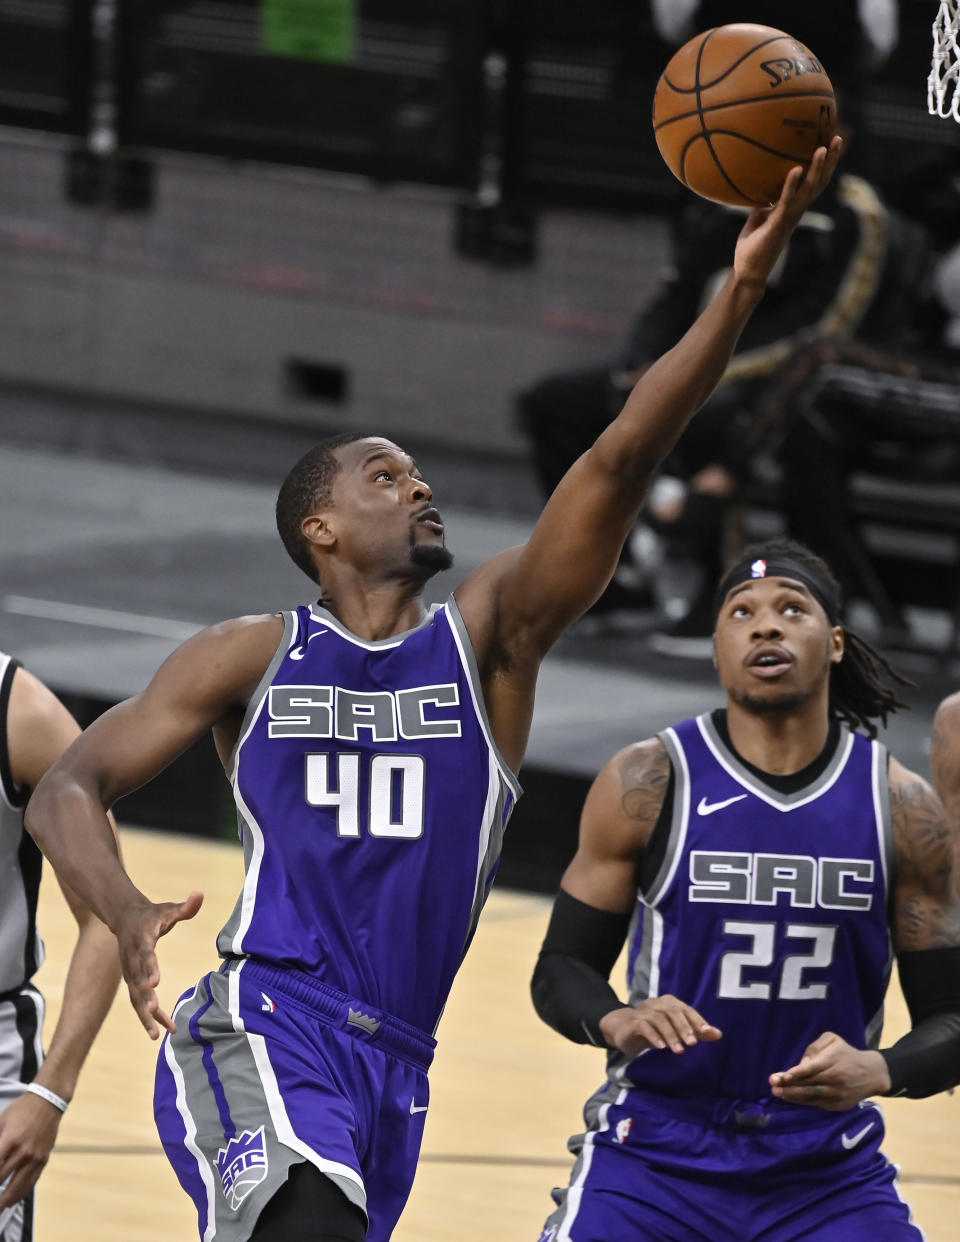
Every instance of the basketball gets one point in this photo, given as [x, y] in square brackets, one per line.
[737, 107]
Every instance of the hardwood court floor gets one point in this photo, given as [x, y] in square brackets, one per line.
[506, 1090]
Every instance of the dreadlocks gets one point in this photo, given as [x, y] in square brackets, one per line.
[863, 686]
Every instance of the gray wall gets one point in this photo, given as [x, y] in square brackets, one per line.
[239, 268]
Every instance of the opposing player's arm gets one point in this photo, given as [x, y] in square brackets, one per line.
[592, 914]
[39, 730]
[205, 682]
[573, 550]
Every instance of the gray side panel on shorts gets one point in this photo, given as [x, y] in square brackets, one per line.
[250, 1108]
[593, 1115]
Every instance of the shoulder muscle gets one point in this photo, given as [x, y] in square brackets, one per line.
[39, 729]
[925, 843]
[945, 753]
[618, 818]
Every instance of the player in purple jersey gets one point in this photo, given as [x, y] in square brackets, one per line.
[765, 862]
[371, 746]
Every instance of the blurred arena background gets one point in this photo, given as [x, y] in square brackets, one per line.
[228, 229]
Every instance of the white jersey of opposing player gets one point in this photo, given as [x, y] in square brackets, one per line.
[21, 949]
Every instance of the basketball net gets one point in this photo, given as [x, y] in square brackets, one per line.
[943, 88]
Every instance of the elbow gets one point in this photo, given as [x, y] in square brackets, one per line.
[540, 991]
[45, 806]
[34, 816]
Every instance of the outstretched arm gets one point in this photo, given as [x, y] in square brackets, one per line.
[926, 935]
[590, 917]
[39, 730]
[574, 547]
[207, 681]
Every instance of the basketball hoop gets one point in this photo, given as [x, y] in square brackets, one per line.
[943, 87]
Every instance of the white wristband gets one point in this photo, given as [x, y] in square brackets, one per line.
[46, 1094]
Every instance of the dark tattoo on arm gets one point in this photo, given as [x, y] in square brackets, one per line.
[945, 755]
[644, 776]
[926, 907]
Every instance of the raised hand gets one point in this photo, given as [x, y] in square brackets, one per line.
[661, 1022]
[832, 1074]
[137, 930]
[767, 228]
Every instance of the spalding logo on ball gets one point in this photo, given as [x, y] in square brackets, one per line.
[739, 106]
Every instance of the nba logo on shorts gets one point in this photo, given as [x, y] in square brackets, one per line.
[624, 1127]
[242, 1165]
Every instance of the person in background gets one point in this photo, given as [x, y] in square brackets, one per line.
[853, 270]
[35, 1090]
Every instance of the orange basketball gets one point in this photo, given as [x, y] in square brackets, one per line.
[737, 107]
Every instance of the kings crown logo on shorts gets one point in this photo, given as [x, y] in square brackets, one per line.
[242, 1164]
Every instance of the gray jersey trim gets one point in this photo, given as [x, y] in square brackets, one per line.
[14, 798]
[256, 699]
[469, 660]
[230, 937]
[773, 797]
[880, 774]
[678, 821]
[638, 985]
[319, 613]
[493, 827]
[881, 803]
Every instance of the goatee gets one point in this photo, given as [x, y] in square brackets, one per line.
[433, 556]
[762, 706]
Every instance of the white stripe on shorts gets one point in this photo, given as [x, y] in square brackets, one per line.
[271, 1090]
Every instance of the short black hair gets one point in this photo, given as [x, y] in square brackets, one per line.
[308, 487]
[858, 693]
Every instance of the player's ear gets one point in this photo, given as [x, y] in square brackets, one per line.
[837, 643]
[318, 529]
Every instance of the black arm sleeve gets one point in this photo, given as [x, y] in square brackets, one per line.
[569, 986]
[927, 1059]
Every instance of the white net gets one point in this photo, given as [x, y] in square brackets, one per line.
[943, 88]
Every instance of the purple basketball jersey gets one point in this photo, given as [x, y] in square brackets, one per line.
[768, 914]
[371, 803]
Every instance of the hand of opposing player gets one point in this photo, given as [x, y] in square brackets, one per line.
[137, 930]
[661, 1022]
[767, 228]
[28, 1131]
[832, 1074]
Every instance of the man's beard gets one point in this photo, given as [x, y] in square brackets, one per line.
[761, 706]
[432, 556]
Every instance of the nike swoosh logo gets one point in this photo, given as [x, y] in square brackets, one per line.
[850, 1141]
[707, 808]
[417, 1108]
[297, 653]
